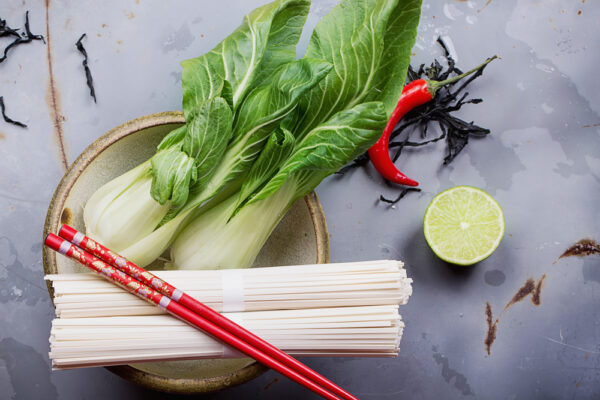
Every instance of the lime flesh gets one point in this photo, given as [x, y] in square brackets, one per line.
[463, 225]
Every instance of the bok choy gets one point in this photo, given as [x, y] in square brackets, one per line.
[368, 44]
[262, 130]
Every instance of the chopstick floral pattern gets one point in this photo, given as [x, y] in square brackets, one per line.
[130, 269]
[127, 282]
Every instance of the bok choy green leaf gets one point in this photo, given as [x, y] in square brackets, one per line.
[278, 148]
[259, 115]
[369, 44]
[326, 149]
[193, 160]
[266, 39]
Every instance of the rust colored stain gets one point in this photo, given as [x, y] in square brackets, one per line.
[2, 136]
[523, 292]
[52, 97]
[530, 287]
[487, 3]
[536, 298]
[66, 217]
[584, 247]
[129, 15]
[492, 328]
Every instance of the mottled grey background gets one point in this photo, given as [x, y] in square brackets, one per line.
[542, 163]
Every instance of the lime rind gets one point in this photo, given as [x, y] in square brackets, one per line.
[463, 225]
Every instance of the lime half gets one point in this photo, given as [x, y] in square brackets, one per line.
[463, 225]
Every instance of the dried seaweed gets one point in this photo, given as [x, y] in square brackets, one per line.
[400, 196]
[6, 30]
[359, 161]
[448, 99]
[88, 73]
[7, 119]
[437, 112]
[20, 38]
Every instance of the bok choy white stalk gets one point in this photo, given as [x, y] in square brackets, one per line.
[110, 217]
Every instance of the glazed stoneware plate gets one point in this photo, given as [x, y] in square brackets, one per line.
[300, 238]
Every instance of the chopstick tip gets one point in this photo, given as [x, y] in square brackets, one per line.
[67, 232]
[53, 241]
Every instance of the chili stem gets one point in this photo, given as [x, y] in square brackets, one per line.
[433, 86]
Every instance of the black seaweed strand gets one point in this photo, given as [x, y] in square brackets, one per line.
[407, 143]
[359, 161]
[6, 30]
[88, 73]
[7, 119]
[400, 196]
[30, 36]
[25, 37]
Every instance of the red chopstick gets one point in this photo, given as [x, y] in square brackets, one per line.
[147, 278]
[138, 288]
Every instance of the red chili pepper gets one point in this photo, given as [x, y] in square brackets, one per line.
[415, 94]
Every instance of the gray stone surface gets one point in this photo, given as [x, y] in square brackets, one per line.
[542, 163]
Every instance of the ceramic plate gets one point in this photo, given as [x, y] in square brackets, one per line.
[300, 238]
